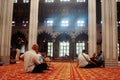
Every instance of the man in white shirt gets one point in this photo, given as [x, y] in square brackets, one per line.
[31, 60]
[84, 60]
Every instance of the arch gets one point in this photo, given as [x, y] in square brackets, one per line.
[15, 39]
[63, 37]
[42, 40]
[82, 37]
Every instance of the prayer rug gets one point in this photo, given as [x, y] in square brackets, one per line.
[59, 71]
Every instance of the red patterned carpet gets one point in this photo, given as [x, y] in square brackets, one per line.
[60, 71]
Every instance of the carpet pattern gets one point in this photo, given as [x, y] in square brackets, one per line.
[59, 71]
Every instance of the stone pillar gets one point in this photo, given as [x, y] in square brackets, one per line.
[53, 40]
[109, 32]
[91, 27]
[6, 9]
[0, 24]
[119, 52]
[34, 4]
[72, 49]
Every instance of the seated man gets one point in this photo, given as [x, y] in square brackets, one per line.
[98, 59]
[84, 60]
[31, 60]
[42, 57]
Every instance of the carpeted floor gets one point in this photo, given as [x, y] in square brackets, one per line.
[59, 71]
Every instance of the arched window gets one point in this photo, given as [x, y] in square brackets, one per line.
[26, 1]
[15, 1]
[49, 1]
[64, 48]
[81, 0]
[50, 49]
[64, 0]
[79, 47]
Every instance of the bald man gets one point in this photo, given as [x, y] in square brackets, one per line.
[31, 60]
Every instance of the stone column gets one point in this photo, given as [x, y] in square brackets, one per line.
[34, 4]
[0, 23]
[6, 9]
[53, 40]
[109, 32]
[119, 52]
[72, 49]
[91, 27]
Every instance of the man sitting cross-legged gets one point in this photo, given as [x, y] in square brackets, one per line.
[31, 60]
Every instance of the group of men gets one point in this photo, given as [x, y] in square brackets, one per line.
[84, 61]
[35, 62]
